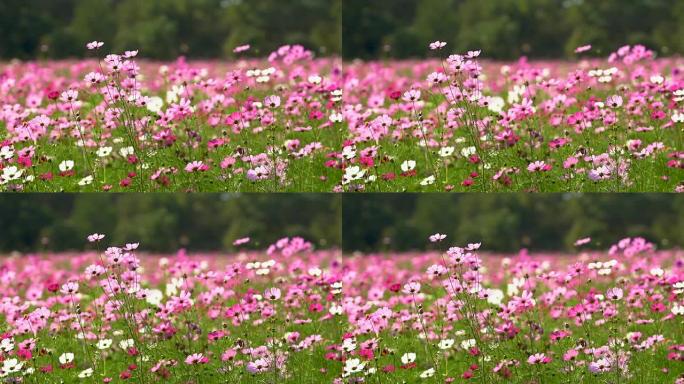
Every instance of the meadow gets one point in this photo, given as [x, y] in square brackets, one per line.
[294, 314]
[297, 122]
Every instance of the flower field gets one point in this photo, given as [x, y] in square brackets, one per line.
[461, 123]
[114, 124]
[295, 122]
[293, 314]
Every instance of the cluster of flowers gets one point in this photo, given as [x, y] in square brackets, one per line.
[593, 124]
[118, 123]
[453, 122]
[294, 313]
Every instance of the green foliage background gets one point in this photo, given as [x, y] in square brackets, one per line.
[165, 29]
[368, 222]
[508, 29]
[504, 29]
[509, 222]
[166, 222]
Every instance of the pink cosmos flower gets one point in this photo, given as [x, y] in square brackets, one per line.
[570, 355]
[95, 237]
[603, 172]
[570, 162]
[583, 48]
[228, 162]
[241, 48]
[94, 271]
[258, 365]
[241, 241]
[131, 246]
[538, 166]
[600, 366]
[614, 293]
[228, 355]
[196, 358]
[411, 288]
[436, 271]
[473, 246]
[272, 101]
[69, 96]
[437, 45]
[582, 241]
[437, 237]
[538, 358]
[69, 288]
[411, 95]
[614, 101]
[272, 294]
[473, 54]
[94, 45]
[196, 166]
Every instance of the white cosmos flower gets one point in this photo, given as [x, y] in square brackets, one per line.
[336, 95]
[678, 287]
[11, 366]
[446, 344]
[512, 290]
[86, 181]
[657, 79]
[6, 152]
[104, 151]
[154, 297]
[66, 165]
[427, 373]
[336, 287]
[85, 373]
[349, 345]
[408, 358]
[336, 117]
[315, 79]
[126, 151]
[125, 344]
[174, 92]
[66, 358]
[349, 152]
[11, 173]
[678, 117]
[155, 104]
[446, 151]
[678, 309]
[428, 181]
[6, 345]
[495, 296]
[496, 104]
[352, 173]
[408, 165]
[104, 344]
[467, 344]
[353, 366]
[468, 151]
[335, 310]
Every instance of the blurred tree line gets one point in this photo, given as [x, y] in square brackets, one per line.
[166, 222]
[504, 29]
[165, 29]
[509, 29]
[509, 222]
